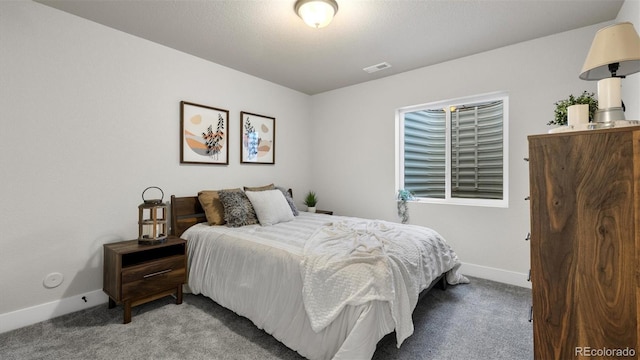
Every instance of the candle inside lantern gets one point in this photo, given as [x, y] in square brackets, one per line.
[151, 231]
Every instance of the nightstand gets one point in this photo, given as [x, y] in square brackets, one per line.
[328, 212]
[135, 274]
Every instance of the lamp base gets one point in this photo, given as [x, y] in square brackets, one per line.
[607, 117]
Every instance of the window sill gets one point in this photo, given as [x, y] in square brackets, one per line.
[465, 202]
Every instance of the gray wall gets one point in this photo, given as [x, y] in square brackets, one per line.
[91, 117]
[355, 155]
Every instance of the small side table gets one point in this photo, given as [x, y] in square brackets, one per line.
[135, 274]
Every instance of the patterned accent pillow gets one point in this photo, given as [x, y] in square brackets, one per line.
[237, 208]
[292, 204]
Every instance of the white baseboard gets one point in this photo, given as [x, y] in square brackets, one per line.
[35, 314]
[494, 274]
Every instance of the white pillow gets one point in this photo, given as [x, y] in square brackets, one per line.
[271, 207]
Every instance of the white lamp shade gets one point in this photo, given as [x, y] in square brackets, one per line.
[617, 43]
[316, 13]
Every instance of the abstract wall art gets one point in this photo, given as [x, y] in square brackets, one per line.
[203, 134]
[258, 138]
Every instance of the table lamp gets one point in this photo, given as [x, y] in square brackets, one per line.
[614, 54]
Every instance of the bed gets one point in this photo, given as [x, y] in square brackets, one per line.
[323, 304]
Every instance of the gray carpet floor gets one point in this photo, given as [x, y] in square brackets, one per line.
[480, 320]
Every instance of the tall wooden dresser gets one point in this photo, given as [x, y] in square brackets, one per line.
[585, 243]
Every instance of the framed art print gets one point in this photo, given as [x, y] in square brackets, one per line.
[258, 139]
[203, 134]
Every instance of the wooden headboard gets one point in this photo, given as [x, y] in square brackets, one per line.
[187, 211]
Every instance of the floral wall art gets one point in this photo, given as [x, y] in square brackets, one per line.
[258, 138]
[203, 134]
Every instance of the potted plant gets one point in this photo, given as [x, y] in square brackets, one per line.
[311, 200]
[562, 107]
[403, 209]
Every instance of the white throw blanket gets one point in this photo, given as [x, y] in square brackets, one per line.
[352, 262]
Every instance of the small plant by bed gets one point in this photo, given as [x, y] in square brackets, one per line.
[311, 200]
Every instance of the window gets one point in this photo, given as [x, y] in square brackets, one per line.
[455, 151]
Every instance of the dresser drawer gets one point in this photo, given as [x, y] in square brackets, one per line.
[143, 279]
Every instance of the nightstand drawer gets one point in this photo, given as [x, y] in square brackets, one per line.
[153, 277]
[152, 269]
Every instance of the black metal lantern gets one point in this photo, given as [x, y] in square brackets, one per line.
[152, 220]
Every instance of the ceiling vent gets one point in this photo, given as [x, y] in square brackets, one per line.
[378, 67]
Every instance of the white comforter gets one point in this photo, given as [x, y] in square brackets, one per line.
[276, 276]
[351, 262]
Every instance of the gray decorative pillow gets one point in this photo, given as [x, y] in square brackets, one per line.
[287, 196]
[238, 210]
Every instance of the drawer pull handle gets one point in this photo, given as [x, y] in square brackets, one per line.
[157, 273]
[528, 237]
[531, 314]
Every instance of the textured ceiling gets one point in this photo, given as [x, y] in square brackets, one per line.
[266, 39]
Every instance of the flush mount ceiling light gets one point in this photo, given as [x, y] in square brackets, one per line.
[316, 13]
